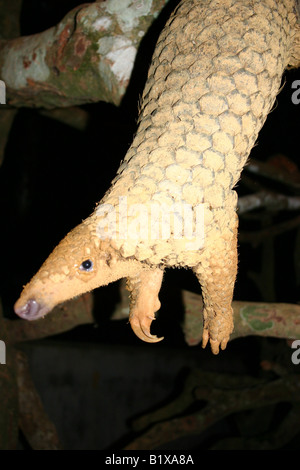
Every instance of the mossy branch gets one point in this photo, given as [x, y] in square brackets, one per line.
[87, 57]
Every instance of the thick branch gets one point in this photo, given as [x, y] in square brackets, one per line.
[86, 58]
[277, 320]
[9, 28]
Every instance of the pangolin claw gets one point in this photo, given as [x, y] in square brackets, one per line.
[143, 331]
[224, 343]
[205, 338]
[214, 343]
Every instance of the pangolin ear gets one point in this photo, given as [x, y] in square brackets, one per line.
[111, 260]
[106, 253]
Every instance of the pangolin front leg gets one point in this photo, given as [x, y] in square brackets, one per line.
[144, 287]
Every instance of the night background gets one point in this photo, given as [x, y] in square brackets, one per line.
[96, 380]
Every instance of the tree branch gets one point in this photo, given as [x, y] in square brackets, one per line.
[86, 58]
[278, 320]
[9, 28]
[269, 200]
[36, 426]
[224, 394]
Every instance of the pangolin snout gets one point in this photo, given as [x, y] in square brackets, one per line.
[31, 310]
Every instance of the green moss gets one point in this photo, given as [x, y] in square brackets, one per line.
[257, 317]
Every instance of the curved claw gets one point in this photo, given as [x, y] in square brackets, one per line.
[224, 343]
[142, 331]
[205, 338]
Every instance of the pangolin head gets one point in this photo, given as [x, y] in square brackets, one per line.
[80, 263]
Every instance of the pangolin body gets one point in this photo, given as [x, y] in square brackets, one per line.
[214, 76]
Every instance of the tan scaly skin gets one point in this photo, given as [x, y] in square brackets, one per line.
[214, 77]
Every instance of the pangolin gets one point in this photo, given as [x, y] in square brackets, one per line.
[213, 79]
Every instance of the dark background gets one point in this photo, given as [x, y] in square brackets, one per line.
[51, 179]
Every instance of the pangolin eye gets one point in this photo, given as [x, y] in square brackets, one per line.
[86, 265]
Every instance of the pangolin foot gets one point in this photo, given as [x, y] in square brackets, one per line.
[217, 332]
[214, 343]
[141, 326]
